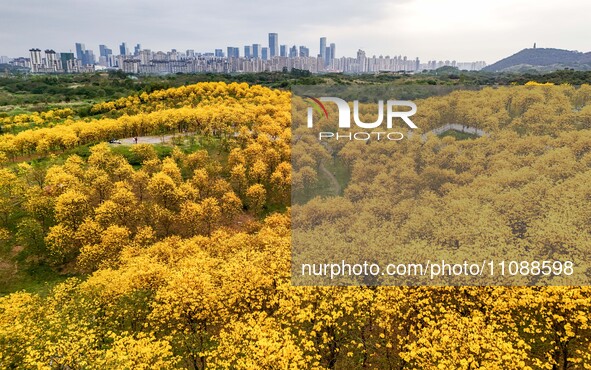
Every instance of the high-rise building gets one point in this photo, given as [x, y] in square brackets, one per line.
[159, 56]
[233, 52]
[105, 56]
[145, 56]
[35, 59]
[68, 62]
[304, 51]
[333, 49]
[323, 48]
[265, 53]
[173, 55]
[256, 51]
[89, 57]
[51, 60]
[123, 49]
[102, 49]
[361, 61]
[273, 44]
[273, 58]
[80, 52]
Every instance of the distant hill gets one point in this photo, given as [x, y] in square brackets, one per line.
[542, 59]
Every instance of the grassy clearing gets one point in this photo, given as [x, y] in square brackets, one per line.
[340, 171]
[35, 279]
[458, 135]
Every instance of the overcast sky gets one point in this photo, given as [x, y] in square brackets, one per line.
[462, 30]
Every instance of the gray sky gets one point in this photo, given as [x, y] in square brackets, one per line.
[464, 30]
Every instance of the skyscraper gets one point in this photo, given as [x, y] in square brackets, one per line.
[51, 59]
[68, 62]
[136, 49]
[102, 50]
[361, 61]
[256, 51]
[247, 51]
[105, 55]
[265, 53]
[273, 44]
[89, 57]
[80, 52]
[304, 51]
[283, 51]
[333, 48]
[123, 49]
[233, 52]
[35, 59]
[293, 52]
[219, 53]
[323, 48]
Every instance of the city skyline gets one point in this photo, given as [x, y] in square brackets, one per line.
[325, 50]
[425, 28]
[256, 58]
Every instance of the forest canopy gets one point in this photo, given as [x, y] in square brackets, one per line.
[182, 260]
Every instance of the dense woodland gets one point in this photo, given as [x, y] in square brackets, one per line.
[181, 258]
[25, 93]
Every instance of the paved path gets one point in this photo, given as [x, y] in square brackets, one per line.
[336, 187]
[456, 127]
[148, 139]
